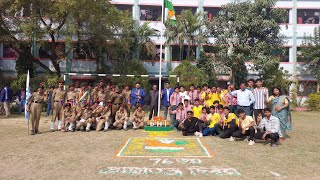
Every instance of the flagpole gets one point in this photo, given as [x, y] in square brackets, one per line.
[160, 69]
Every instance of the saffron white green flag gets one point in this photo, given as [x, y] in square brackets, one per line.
[169, 11]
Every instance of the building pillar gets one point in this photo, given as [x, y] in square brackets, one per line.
[1, 50]
[290, 16]
[136, 11]
[200, 9]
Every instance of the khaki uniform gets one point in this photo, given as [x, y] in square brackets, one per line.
[80, 94]
[35, 107]
[68, 117]
[58, 97]
[138, 119]
[71, 97]
[104, 119]
[121, 120]
[101, 98]
[116, 100]
[126, 100]
[94, 95]
[85, 119]
[108, 96]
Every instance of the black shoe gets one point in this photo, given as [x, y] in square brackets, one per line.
[32, 132]
[37, 132]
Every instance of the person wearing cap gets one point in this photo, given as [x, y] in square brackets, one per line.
[58, 97]
[109, 93]
[116, 101]
[71, 96]
[138, 118]
[104, 119]
[126, 98]
[85, 118]
[121, 119]
[94, 93]
[83, 96]
[68, 117]
[101, 97]
[137, 95]
[34, 107]
[96, 110]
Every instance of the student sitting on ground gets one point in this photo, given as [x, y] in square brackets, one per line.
[246, 127]
[271, 125]
[230, 124]
[213, 120]
[192, 125]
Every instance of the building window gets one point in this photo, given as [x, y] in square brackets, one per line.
[212, 12]
[308, 16]
[179, 54]
[179, 9]
[150, 13]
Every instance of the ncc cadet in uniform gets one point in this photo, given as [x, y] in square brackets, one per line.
[126, 94]
[68, 118]
[85, 118]
[121, 119]
[96, 112]
[71, 96]
[35, 109]
[83, 95]
[108, 93]
[58, 97]
[138, 118]
[104, 119]
[101, 97]
[116, 101]
[94, 93]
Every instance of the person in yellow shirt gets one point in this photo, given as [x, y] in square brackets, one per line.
[214, 95]
[246, 127]
[197, 108]
[230, 124]
[207, 98]
[213, 119]
[221, 95]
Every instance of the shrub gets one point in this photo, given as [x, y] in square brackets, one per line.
[313, 101]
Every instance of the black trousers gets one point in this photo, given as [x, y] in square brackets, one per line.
[273, 136]
[153, 110]
[228, 131]
[197, 128]
[250, 132]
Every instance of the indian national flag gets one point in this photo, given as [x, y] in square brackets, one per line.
[169, 11]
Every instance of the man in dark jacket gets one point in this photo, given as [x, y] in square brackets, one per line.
[6, 98]
[154, 99]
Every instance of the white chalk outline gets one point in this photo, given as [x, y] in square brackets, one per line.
[208, 155]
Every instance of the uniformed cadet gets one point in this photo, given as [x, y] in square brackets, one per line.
[101, 97]
[94, 93]
[83, 96]
[35, 109]
[127, 101]
[138, 118]
[68, 118]
[108, 94]
[121, 119]
[58, 98]
[117, 101]
[85, 118]
[96, 112]
[71, 96]
[104, 119]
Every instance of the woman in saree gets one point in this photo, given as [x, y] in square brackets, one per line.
[279, 105]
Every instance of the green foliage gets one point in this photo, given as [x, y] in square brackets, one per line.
[46, 80]
[248, 32]
[130, 67]
[189, 28]
[207, 65]
[313, 101]
[276, 77]
[188, 74]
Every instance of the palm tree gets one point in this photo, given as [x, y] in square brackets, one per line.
[189, 28]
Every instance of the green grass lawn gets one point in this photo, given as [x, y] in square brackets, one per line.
[83, 155]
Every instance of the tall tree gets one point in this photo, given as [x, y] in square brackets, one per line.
[189, 28]
[249, 32]
[53, 21]
[311, 52]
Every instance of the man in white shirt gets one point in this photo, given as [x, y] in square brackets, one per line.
[271, 124]
[244, 98]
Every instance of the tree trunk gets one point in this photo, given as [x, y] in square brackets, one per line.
[188, 52]
[181, 53]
